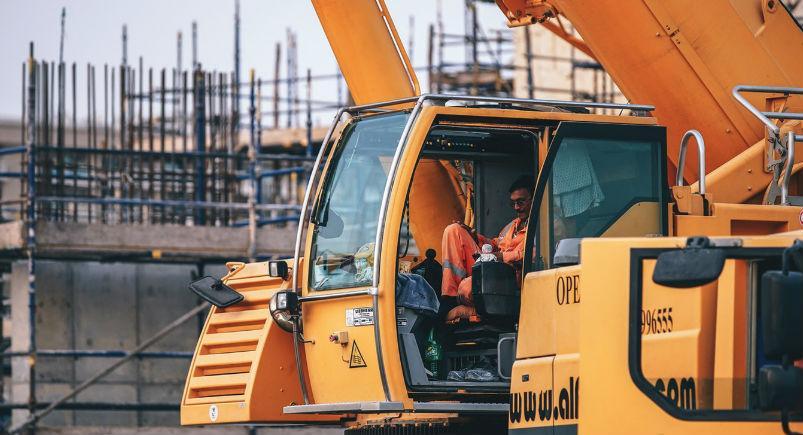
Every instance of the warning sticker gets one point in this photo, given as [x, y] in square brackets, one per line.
[359, 316]
[356, 359]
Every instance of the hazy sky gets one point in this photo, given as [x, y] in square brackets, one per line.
[94, 35]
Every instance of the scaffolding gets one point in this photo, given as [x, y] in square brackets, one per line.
[158, 150]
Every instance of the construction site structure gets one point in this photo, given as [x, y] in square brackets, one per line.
[107, 215]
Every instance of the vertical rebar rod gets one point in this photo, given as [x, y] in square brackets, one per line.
[46, 173]
[430, 54]
[237, 40]
[179, 43]
[105, 159]
[139, 180]
[123, 77]
[258, 143]
[184, 111]
[252, 158]
[309, 113]
[150, 142]
[91, 162]
[31, 227]
[214, 131]
[180, 186]
[439, 13]
[162, 167]
[528, 58]
[112, 119]
[194, 45]
[52, 101]
[236, 84]
[130, 157]
[276, 72]
[411, 39]
[61, 36]
[200, 143]
[231, 165]
[23, 132]
[125, 46]
[111, 161]
[213, 119]
[60, 136]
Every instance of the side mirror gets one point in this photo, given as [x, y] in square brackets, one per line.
[781, 300]
[695, 265]
[780, 388]
[215, 292]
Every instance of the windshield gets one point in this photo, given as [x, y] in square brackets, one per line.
[348, 210]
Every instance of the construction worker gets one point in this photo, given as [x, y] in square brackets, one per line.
[461, 244]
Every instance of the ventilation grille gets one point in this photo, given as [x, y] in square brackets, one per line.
[227, 352]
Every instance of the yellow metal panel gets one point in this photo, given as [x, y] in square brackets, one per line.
[566, 390]
[730, 352]
[606, 379]
[531, 386]
[642, 218]
[550, 311]
[218, 359]
[741, 220]
[368, 50]
[239, 316]
[677, 338]
[219, 381]
[332, 375]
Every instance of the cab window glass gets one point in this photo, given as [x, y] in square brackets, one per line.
[348, 210]
[600, 187]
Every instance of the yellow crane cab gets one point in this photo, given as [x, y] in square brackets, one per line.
[380, 198]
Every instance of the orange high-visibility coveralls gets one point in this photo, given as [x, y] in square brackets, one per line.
[458, 249]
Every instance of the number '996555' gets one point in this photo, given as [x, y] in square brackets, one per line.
[657, 321]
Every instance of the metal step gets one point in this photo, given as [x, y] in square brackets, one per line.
[382, 407]
[461, 408]
[345, 408]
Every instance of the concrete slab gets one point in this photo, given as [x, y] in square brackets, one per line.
[52, 391]
[160, 242]
[118, 393]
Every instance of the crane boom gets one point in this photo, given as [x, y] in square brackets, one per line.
[368, 49]
[684, 57]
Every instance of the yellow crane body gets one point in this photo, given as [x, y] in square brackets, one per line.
[641, 305]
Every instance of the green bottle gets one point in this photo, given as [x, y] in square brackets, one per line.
[433, 354]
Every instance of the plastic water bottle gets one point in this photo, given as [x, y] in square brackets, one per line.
[487, 253]
[433, 354]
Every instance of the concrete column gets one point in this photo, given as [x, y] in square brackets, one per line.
[20, 339]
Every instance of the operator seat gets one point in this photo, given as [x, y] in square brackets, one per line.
[495, 292]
